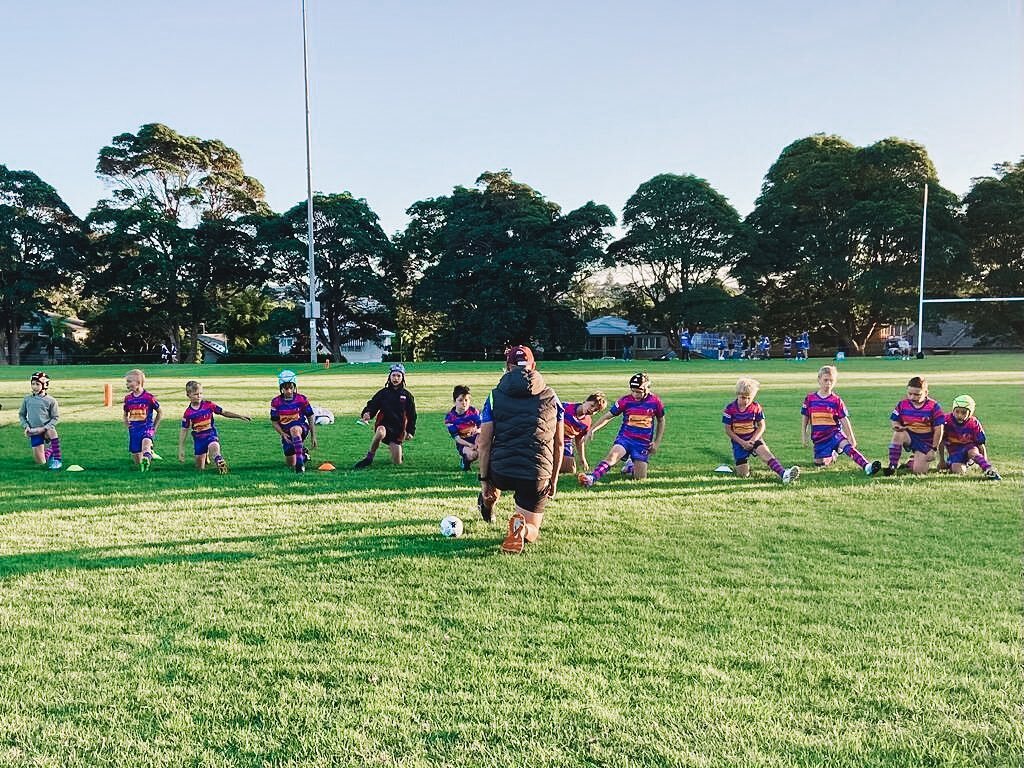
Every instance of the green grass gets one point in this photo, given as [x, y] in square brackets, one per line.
[178, 619]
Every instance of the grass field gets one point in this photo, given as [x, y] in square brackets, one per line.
[263, 618]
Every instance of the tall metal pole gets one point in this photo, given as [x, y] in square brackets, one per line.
[312, 309]
[920, 303]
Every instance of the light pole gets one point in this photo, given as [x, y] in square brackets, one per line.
[313, 306]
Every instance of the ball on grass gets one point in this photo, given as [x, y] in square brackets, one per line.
[451, 527]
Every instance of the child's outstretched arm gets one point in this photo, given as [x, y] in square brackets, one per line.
[181, 443]
[605, 418]
[806, 420]
[659, 432]
[230, 415]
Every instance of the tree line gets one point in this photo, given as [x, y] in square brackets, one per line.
[186, 241]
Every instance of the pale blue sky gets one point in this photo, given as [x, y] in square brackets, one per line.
[581, 100]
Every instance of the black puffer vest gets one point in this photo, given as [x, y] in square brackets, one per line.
[525, 411]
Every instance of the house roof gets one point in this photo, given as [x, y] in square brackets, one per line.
[609, 325]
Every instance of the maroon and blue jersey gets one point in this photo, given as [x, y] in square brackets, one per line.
[743, 423]
[824, 415]
[638, 416]
[139, 410]
[964, 434]
[465, 425]
[291, 413]
[200, 418]
[575, 426]
[920, 420]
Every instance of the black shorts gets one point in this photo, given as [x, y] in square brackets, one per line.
[530, 495]
[393, 433]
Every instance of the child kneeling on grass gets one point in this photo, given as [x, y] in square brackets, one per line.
[745, 425]
[963, 440]
[199, 417]
[291, 414]
[39, 415]
[826, 419]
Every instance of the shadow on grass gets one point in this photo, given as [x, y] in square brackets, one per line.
[333, 542]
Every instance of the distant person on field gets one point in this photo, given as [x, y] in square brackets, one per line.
[917, 422]
[199, 417]
[39, 414]
[684, 344]
[627, 347]
[463, 424]
[963, 440]
[787, 347]
[521, 437]
[827, 422]
[395, 410]
[141, 418]
[744, 424]
[291, 415]
[640, 434]
[578, 418]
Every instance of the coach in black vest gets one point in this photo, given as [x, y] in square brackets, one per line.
[520, 446]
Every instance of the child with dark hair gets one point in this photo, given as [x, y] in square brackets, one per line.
[917, 422]
[463, 424]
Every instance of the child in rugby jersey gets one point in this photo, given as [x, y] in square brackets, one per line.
[141, 418]
[463, 424]
[39, 414]
[643, 426]
[291, 415]
[578, 417]
[199, 418]
[744, 424]
[963, 440]
[916, 427]
[826, 421]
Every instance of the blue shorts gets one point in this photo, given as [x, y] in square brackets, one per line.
[36, 440]
[959, 456]
[920, 443]
[286, 443]
[829, 445]
[637, 450]
[202, 441]
[741, 454]
[135, 438]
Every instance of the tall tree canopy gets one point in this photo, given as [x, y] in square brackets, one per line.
[41, 240]
[836, 236]
[351, 251]
[682, 238]
[995, 235]
[178, 236]
[501, 263]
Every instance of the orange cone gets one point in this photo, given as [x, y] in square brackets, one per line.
[327, 467]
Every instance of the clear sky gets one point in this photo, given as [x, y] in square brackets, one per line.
[581, 100]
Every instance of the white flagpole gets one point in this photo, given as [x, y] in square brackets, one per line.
[312, 310]
[920, 303]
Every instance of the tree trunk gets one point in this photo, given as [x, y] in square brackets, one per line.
[193, 344]
[14, 344]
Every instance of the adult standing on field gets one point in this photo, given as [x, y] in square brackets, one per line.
[520, 445]
[627, 346]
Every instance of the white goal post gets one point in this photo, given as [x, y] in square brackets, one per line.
[922, 300]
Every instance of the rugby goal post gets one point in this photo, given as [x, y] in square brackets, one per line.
[922, 300]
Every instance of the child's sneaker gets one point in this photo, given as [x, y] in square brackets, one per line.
[515, 541]
[790, 475]
[222, 467]
[55, 463]
[585, 479]
[991, 474]
[144, 464]
[889, 471]
[363, 463]
[627, 468]
[464, 463]
[300, 467]
[872, 468]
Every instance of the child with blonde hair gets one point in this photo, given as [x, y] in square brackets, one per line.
[578, 418]
[141, 418]
[744, 424]
[199, 417]
[827, 422]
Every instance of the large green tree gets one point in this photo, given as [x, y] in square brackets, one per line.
[681, 240]
[177, 238]
[41, 241]
[501, 263]
[995, 236]
[836, 237]
[351, 250]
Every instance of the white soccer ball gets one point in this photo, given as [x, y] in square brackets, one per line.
[451, 526]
